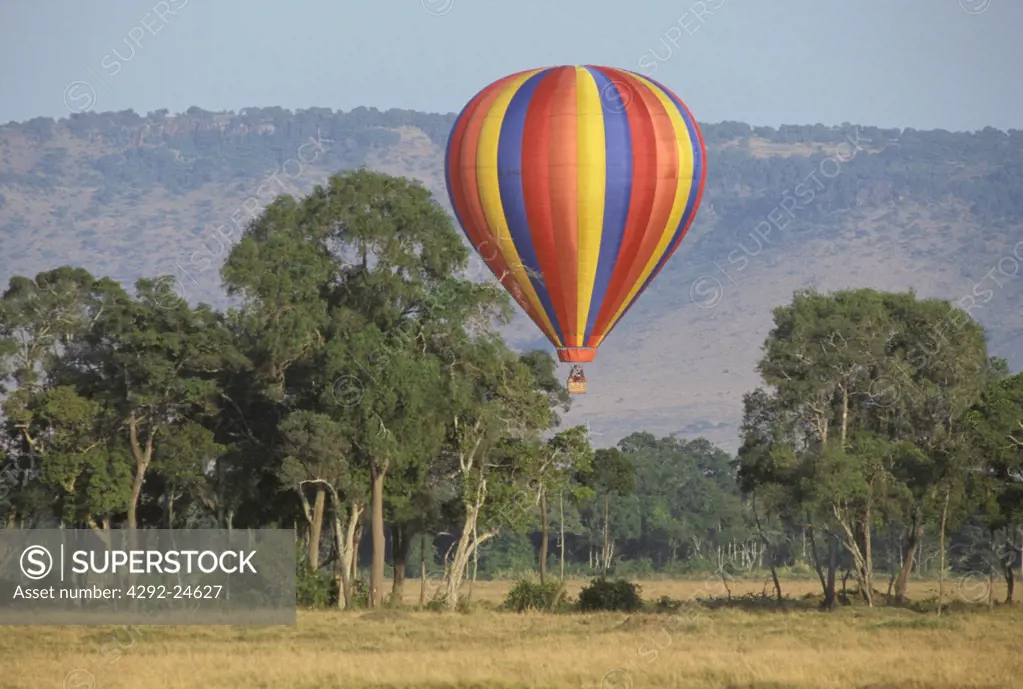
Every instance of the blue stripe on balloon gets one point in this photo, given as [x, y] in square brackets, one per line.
[618, 190]
[509, 180]
[687, 214]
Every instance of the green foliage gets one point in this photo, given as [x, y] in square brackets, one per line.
[356, 351]
[667, 604]
[619, 595]
[315, 589]
[531, 595]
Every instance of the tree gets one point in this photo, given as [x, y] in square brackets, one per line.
[499, 410]
[402, 244]
[995, 433]
[613, 475]
[556, 467]
[156, 362]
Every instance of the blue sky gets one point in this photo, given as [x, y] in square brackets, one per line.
[913, 63]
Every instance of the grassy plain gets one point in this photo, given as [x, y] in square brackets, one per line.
[747, 644]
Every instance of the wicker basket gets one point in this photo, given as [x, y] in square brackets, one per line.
[576, 387]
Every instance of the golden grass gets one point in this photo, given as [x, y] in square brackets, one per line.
[885, 648]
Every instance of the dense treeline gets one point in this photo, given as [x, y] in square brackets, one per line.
[359, 394]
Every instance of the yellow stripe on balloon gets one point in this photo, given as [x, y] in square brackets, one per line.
[592, 180]
[682, 193]
[490, 198]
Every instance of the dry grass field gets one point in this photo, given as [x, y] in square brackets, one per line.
[970, 647]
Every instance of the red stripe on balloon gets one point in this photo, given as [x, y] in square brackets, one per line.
[655, 169]
[536, 191]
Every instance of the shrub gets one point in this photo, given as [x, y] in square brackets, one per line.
[530, 595]
[668, 604]
[314, 588]
[618, 595]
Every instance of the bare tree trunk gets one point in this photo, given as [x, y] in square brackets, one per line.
[902, 581]
[859, 560]
[399, 555]
[766, 543]
[356, 544]
[845, 417]
[142, 454]
[376, 573]
[316, 526]
[422, 570]
[468, 543]
[561, 505]
[345, 543]
[817, 565]
[605, 555]
[830, 600]
[475, 561]
[466, 547]
[941, 552]
[1010, 581]
[544, 535]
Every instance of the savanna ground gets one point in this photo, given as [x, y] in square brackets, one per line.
[745, 644]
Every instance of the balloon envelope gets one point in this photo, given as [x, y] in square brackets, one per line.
[575, 184]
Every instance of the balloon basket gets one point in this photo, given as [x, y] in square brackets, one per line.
[577, 387]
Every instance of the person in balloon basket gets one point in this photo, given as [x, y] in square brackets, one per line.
[576, 375]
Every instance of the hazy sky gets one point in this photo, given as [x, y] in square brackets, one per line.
[911, 63]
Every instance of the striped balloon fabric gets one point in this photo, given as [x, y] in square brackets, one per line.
[575, 184]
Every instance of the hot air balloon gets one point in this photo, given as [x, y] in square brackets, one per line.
[575, 184]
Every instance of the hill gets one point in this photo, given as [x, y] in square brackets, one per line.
[787, 208]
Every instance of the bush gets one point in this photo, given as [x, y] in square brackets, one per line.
[618, 595]
[314, 588]
[668, 604]
[531, 595]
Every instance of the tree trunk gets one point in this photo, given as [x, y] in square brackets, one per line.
[468, 543]
[422, 570]
[851, 541]
[604, 553]
[142, 455]
[316, 526]
[916, 535]
[376, 575]
[544, 536]
[941, 552]
[356, 544]
[1010, 581]
[345, 543]
[399, 555]
[817, 565]
[861, 552]
[845, 416]
[767, 544]
[561, 505]
[168, 508]
[830, 600]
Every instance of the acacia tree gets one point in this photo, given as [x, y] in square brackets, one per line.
[155, 366]
[499, 409]
[402, 244]
[850, 362]
[318, 454]
[995, 433]
[557, 466]
[55, 428]
[339, 276]
[613, 476]
[937, 359]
